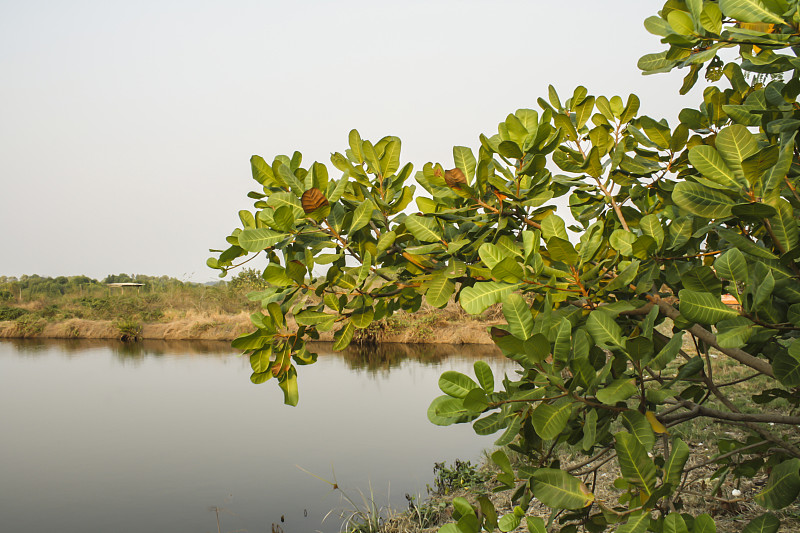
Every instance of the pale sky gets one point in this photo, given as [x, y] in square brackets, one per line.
[126, 128]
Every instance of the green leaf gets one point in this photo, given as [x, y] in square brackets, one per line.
[784, 226]
[535, 524]
[656, 131]
[735, 144]
[651, 225]
[481, 296]
[550, 420]
[673, 468]
[440, 289]
[508, 270]
[446, 410]
[636, 467]
[342, 338]
[589, 431]
[476, 401]
[748, 11]
[362, 215]
[702, 201]
[255, 240]
[640, 428]
[618, 390]
[485, 376]
[711, 18]
[637, 523]
[732, 266]
[786, 365]
[668, 352]
[518, 315]
[704, 524]
[289, 386]
[680, 22]
[553, 226]
[604, 330]
[562, 250]
[465, 160]
[674, 523]
[423, 228]
[509, 522]
[782, 487]
[456, 384]
[559, 490]
[260, 360]
[711, 165]
[703, 307]
[766, 523]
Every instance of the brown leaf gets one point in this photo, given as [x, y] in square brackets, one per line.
[312, 200]
[454, 178]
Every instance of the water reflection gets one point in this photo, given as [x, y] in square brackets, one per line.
[374, 360]
[106, 436]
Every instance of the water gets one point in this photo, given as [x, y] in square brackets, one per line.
[100, 436]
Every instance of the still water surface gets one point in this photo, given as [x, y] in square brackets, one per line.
[99, 436]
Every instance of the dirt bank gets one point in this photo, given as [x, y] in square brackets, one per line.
[228, 327]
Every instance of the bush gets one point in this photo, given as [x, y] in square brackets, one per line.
[11, 313]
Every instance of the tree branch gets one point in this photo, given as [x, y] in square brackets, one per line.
[709, 338]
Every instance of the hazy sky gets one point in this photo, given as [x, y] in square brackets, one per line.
[126, 128]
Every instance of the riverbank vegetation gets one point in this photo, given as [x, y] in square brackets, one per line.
[168, 308]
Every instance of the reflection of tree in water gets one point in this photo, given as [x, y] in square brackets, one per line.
[124, 350]
[385, 357]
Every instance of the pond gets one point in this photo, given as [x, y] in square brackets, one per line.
[153, 436]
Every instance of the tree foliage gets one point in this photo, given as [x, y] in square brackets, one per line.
[665, 220]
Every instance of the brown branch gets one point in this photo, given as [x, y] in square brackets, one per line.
[710, 339]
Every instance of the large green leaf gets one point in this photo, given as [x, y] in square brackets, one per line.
[786, 365]
[766, 523]
[673, 468]
[735, 144]
[618, 390]
[465, 160]
[550, 420]
[784, 226]
[255, 240]
[701, 200]
[362, 215]
[491, 254]
[674, 523]
[485, 376]
[704, 524]
[637, 523]
[424, 228]
[748, 11]
[559, 490]
[456, 384]
[782, 487]
[518, 315]
[440, 289]
[481, 296]
[553, 226]
[636, 467]
[732, 266]
[640, 428]
[703, 307]
[604, 330]
[446, 410]
[711, 165]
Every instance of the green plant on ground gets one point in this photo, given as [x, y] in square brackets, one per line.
[129, 329]
[669, 219]
[460, 475]
[29, 324]
[12, 313]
